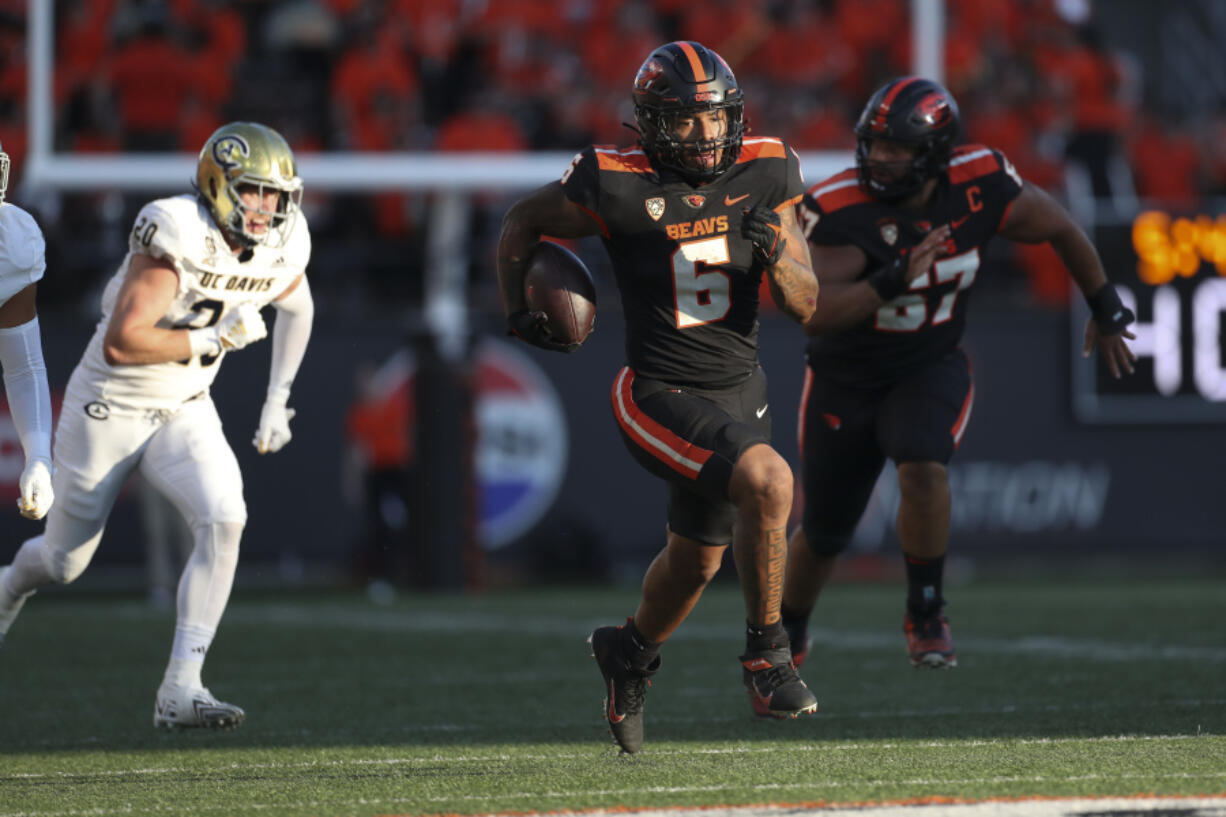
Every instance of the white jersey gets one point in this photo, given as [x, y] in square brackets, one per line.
[23, 253]
[212, 280]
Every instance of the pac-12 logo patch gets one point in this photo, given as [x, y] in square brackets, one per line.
[889, 233]
[655, 207]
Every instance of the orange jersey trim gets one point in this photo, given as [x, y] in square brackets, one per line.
[762, 148]
[631, 160]
[604, 230]
[839, 191]
[970, 162]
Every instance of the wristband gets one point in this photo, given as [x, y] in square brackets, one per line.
[889, 280]
[1109, 311]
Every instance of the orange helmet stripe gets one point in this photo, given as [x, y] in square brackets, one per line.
[884, 108]
[695, 64]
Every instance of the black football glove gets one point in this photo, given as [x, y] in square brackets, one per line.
[533, 327]
[763, 227]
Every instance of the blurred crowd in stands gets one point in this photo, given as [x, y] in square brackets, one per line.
[1032, 76]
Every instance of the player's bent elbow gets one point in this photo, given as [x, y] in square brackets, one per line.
[113, 354]
[116, 352]
[801, 311]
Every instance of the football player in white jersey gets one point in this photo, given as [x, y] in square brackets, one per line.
[199, 268]
[22, 264]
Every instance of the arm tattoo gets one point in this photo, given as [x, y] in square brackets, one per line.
[793, 287]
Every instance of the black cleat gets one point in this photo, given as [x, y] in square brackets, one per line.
[761, 707]
[775, 688]
[625, 688]
[929, 643]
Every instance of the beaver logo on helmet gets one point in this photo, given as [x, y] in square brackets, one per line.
[933, 109]
[648, 74]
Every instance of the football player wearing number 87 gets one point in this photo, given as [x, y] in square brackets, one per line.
[198, 269]
[897, 243]
[693, 217]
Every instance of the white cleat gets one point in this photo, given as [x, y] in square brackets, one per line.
[8, 612]
[193, 708]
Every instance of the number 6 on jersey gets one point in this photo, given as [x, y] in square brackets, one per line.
[701, 295]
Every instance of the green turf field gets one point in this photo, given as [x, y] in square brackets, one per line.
[491, 704]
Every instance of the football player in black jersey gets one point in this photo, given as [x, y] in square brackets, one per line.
[897, 243]
[692, 217]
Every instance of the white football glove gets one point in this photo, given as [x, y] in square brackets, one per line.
[273, 433]
[241, 326]
[36, 493]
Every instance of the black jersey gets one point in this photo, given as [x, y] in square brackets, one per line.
[973, 196]
[688, 281]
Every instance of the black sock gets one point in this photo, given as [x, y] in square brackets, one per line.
[640, 653]
[924, 585]
[765, 637]
[796, 626]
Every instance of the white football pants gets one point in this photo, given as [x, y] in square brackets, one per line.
[183, 454]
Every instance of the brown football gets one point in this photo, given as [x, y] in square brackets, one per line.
[558, 284]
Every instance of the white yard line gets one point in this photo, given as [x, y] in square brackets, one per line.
[1196, 806]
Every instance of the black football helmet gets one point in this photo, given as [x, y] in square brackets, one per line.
[685, 77]
[913, 111]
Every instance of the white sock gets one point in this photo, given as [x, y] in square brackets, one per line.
[187, 656]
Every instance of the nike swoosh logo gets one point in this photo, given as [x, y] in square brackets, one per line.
[958, 222]
[762, 411]
[729, 201]
[613, 716]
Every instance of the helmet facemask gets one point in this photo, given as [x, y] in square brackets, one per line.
[658, 129]
[280, 220]
[4, 174]
[927, 163]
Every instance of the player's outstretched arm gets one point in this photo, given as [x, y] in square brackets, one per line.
[29, 398]
[779, 242]
[290, 334]
[1036, 218]
[546, 211]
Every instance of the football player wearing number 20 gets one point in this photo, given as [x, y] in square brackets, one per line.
[692, 217]
[897, 243]
[198, 269]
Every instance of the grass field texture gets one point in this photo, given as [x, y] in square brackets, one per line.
[469, 705]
